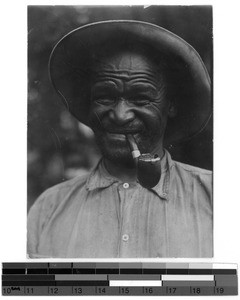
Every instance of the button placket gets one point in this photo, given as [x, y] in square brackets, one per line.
[125, 197]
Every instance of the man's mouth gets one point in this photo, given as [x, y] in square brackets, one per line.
[119, 135]
[123, 131]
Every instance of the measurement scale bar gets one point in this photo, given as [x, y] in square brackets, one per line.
[126, 279]
[81, 277]
[187, 277]
[135, 283]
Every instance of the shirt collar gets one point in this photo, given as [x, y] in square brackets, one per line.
[100, 178]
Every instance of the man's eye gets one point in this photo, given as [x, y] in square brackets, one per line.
[141, 101]
[104, 101]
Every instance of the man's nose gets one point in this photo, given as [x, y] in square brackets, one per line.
[121, 113]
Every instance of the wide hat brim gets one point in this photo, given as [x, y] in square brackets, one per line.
[69, 72]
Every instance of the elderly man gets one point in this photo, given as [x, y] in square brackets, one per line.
[136, 85]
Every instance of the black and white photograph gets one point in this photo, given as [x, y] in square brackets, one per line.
[120, 132]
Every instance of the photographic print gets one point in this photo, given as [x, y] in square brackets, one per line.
[120, 152]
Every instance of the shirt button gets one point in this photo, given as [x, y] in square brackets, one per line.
[126, 185]
[125, 237]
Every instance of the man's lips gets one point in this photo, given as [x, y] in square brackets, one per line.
[113, 132]
[120, 135]
[123, 131]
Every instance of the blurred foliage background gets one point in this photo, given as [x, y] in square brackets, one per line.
[59, 147]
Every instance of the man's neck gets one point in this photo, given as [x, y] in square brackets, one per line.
[124, 173]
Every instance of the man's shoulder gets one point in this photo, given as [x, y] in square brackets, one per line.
[196, 181]
[192, 169]
[73, 183]
[193, 176]
[196, 184]
[54, 196]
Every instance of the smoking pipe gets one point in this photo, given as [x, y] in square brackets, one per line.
[148, 165]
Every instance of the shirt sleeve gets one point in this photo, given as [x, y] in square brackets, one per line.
[33, 227]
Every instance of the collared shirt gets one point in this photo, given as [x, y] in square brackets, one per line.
[98, 216]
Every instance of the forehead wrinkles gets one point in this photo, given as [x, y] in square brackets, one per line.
[126, 75]
[127, 66]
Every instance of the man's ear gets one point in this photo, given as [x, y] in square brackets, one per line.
[172, 110]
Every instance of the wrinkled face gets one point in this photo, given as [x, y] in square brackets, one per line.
[128, 96]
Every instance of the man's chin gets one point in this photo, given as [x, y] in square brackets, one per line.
[117, 151]
[118, 155]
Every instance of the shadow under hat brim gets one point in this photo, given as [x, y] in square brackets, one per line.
[70, 71]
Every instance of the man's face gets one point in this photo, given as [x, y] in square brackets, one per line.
[128, 97]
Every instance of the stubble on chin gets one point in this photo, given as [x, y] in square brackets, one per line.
[117, 152]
